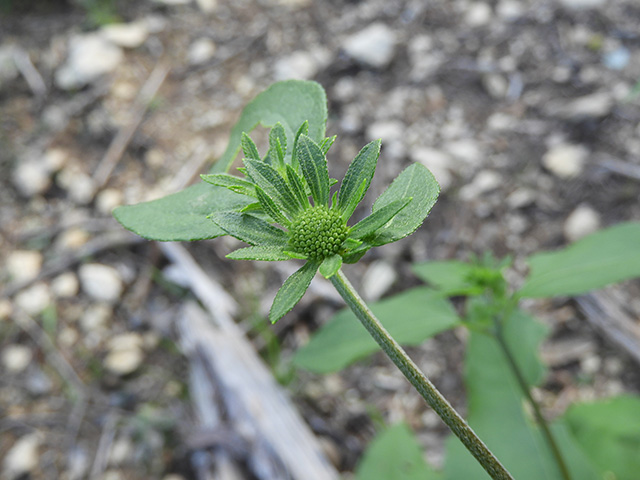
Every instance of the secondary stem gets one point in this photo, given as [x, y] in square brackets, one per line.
[418, 379]
[524, 387]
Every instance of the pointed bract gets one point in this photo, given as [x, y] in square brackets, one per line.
[292, 291]
[358, 178]
[314, 168]
[249, 229]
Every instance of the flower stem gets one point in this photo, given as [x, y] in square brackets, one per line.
[524, 387]
[418, 379]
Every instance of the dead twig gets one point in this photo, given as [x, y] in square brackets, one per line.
[29, 72]
[122, 139]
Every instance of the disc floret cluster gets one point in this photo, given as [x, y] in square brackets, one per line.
[292, 213]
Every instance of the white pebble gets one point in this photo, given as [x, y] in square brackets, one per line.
[16, 358]
[373, 46]
[101, 282]
[583, 221]
[108, 199]
[478, 14]
[201, 51]
[34, 299]
[24, 265]
[65, 285]
[125, 353]
[22, 458]
[298, 66]
[378, 279]
[565, 160]
[96, 318]
[484, 182]
[31, 178]
[128, 35]
[582, 4]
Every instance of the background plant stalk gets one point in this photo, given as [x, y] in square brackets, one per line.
[419, 380]
[537, 412]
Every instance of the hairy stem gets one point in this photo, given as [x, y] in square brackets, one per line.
[524, 387]
[418, 379]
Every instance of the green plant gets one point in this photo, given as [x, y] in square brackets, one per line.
[596, 440]
[283, 208]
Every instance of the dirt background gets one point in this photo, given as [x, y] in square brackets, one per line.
[527, 113]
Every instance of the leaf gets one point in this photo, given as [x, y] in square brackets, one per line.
[314, 168]
[325, 145]
[297, 187]
[358, 178]
[233, 183]
[268, 178]
[377, 219]
[416, 182]
[410, 317]
[292, 291]
[449, 276]
[303, 130]
[270, 208]
[496, 413]
[249, 148]
[395, 454]
[181, 216]
[277, 145]
[609, 432]
[291, 103]
[266, 254]
[606, 257]
[250, 229]
[330, 266]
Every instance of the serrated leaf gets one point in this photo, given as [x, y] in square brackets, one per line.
[292, 291]
[266, 254]
[297, 186]
[325, 145]
[250, 229]
[272, 183]
[605, 257]
[395, 454]
[270, 208]
[181, 216]
[358, 178]
[330, 266]
[314, 168]
[449, 276]
[377, 219]
[410, 317]
[302, 130]
[291, 103]
[249, 148]
[233, 183]
[609, 433]
[296, 255]
[416, 182]
[277, 145]
[496, 413]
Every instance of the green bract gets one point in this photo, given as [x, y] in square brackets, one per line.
[290, 212]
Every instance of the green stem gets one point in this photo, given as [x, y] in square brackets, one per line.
[524, 387]
[418, 379]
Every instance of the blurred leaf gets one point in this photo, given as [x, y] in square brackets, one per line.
[410, 317]
[606, 257]
[495, 406]
[451, 277]
[395, 454]
[609, 432]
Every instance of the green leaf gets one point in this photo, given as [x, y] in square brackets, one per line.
[270, 208]
[330, 266]
[325, 145]
[314, 168]
[277, 145]
[358, 178]
[297, 187]
[250, 229]
[377, 219]
[608, 256]
[410, 317]
[395, 454]
[270, 180]
[291, 103]
[292, 291]
[416, 182]
[181, 216]
[451, 277]
[233, 183]
[249, 148]
[496, 413]
[609, 432]
[302, 130]
[266, 254]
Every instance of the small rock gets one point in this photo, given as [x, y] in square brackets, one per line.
[582, 4]
[565, 160]
[478, 14]
[16, 358]
[377, 280]
[72, 239]
[24, 265]
[55, 159]
[125, 354]
[373, 46]
[127, 35]
[583, 221]
[90, 56]
[201, 51]
[522, 197]
[5, 309]
[101, 282]
[31, 177]
[596, 105]
[96, 318]
[207, 6]
[299, 66]
[120, 452]
[34, 299]
[465, 150]
[495, 85]
[388, 131]
[65, 285]
[78, 185]
[108, 199]
[68, 337]
[37, 382]
[510, 10]
[22, 458]
[438, 162]
[617, 59]
[484, 181]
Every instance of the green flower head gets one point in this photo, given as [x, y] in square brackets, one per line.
[294, 215]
